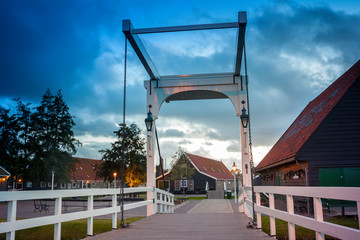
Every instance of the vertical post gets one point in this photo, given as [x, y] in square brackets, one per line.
[318, 215]
[161, 205]
[358, 211]
[235, 187]
[290, 210]
[52, 178]
[272, 219]
[114, 215]
[258, 214]
[57, 226]
[90, 220]
[154, 201]
[245, 157]
[150, 170]
[242, 200]
[11, 217]
[172, 203]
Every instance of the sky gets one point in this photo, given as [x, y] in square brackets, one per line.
[295, 49]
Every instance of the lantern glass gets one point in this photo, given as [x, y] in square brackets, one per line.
[244, 118]
[149, 121]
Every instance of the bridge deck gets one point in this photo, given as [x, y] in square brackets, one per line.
[208, 219]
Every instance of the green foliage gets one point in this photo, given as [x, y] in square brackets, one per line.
[134, 156]
[69, 230]
[181, 166]
[33, 141]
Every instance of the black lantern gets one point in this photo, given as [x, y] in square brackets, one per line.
[244, 118]
[149, 121]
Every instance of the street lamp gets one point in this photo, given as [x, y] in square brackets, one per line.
[244, 118]
[234, 170]
[114, 179]
[149, 121]
[52, 178]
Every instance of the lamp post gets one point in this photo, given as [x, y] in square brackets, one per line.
[52, 178]
[234, 170]
[150, 160]
[114, 179]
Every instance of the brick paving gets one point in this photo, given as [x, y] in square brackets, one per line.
[202, 220]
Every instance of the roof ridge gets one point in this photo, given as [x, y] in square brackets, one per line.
[310, 118]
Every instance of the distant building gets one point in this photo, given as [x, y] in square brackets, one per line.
[206, 170]
[4, 175]
[322, 146]
[83, 175]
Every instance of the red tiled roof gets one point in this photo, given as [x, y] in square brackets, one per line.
[215, 169]
[309, 119]
[84, 169]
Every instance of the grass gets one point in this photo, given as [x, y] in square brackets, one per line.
[301, 232]
[69, 230]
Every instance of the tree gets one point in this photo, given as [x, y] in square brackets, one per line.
[34, 140]
[134, 156]
[54, 137]
[181, 167]
[8, 141]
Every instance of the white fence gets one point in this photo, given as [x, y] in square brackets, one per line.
[316, 223]
[162, 200]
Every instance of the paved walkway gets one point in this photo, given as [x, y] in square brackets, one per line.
[207, 219]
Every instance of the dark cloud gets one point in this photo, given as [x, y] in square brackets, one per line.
[234, 147]
[294, 51]
[173, 133]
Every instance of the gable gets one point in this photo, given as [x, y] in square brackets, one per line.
[309, 119]
[336, 142]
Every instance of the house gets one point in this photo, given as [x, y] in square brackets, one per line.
[83, 175]
[4, 175]
[322, 146]
[205, 171]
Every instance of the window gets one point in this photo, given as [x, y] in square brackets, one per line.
[93, 184]
[73, 184]
[63, 185]
[43, 184]
[29, 184]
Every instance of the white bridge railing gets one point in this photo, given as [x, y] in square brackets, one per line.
[316, 223]
[162, 200]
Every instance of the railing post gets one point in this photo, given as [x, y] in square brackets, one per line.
[318, 215]
[272, 219]
[90, 220]
[114, 215]
[358, 211]
[57, 226]
[161, 204]
[241, 200]
[258, 214]
[169, 202]
[155, 200]
[11, 217]
[172, 204]
[290, 210]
